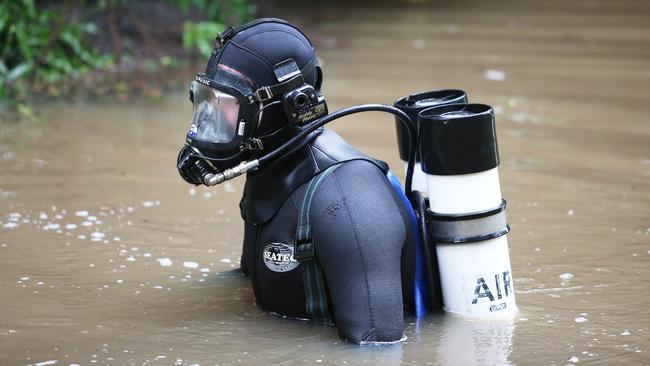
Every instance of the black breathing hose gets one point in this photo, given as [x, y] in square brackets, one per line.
[403, 118]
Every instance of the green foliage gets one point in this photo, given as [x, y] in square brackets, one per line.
[43, 43]
[200, 35]
[228, 11]
[42, 46]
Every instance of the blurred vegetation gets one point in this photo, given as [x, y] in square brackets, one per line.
[46, 44]
[200, 35]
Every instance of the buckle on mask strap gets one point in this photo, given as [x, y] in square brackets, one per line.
[268, 92]
[263, 94]
[253, 144]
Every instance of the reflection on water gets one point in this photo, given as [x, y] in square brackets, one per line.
[108, 257]
[475, 342]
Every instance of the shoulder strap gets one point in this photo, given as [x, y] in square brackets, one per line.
[304, 250]
[316, 296]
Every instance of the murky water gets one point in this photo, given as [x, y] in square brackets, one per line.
[108, 257]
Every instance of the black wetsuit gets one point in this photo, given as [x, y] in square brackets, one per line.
[360, 234]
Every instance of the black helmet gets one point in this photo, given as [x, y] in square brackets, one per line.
[262, 82]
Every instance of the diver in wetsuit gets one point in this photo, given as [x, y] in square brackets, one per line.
[326, 235]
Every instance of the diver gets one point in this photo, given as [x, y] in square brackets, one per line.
[327, 236]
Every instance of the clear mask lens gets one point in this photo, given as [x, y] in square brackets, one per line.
[215, 115]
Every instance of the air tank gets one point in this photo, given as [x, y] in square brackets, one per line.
[466, 217]
[412, 105]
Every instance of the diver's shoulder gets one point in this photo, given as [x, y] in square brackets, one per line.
[329, 148]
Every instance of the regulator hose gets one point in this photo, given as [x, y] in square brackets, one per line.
[403, 118]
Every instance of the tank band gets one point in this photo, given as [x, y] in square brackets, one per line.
[468, 228]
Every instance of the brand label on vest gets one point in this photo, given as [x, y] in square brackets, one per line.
[278, 257]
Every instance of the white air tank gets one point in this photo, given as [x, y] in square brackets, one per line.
[466, 218]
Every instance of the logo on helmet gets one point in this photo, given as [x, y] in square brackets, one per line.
[202, 79]
[278, 257]
[193, 130]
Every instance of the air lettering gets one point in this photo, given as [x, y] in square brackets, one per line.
[503, 283]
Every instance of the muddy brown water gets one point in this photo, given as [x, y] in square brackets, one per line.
[108, 257]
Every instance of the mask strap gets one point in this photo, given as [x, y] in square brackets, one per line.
[289, 76]
[199, 154]
[319, 78]
[270, 139]
[312, 66]
[269, 92]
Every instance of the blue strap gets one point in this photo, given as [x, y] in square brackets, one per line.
[419, 283]
[316, 296]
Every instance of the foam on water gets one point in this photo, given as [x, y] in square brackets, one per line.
[165, 262]
[495, 75]
[45, 363]
[190, 264]
[566, 276]
[51, 226]
[10, 225]
[229, 187]
[98, 235]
